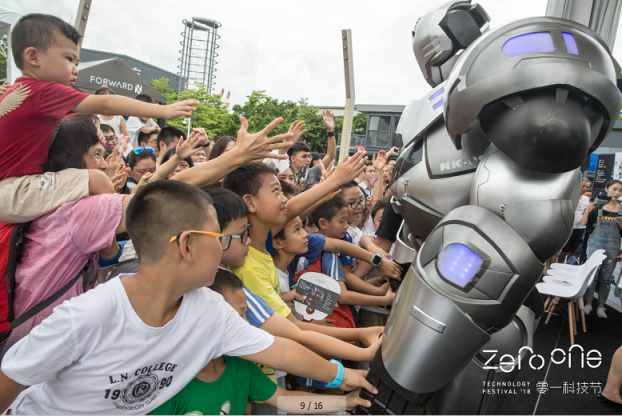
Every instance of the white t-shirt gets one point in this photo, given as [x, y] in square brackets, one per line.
[578, 214]
[94, 355]
[283, 281]
[133, 127]
[114, 122]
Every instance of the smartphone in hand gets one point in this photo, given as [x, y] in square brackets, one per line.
[373, 179]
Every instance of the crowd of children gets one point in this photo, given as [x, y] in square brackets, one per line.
[150, 280]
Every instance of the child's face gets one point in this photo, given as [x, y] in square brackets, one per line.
[337, 226]
[288, 176]
[296, 240]
[378, 217]
[59, 63]
[354, 197]
[235, 255]
[237, 299]
[311, 228]
[270, 202]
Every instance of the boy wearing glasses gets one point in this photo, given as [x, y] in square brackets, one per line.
[129, 345]
[45, 49]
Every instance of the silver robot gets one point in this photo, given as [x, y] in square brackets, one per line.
[487, 184]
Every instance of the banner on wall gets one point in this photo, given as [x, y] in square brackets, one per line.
[608, 167]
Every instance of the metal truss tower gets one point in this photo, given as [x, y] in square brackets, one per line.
[198, 53]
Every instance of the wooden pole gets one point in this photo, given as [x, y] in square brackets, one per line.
[348, 114]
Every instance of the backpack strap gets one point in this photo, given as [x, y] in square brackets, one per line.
[87, 271]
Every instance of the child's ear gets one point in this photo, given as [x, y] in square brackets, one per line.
[276, 243]
[250, 203]
[323, 224]
[31, 56]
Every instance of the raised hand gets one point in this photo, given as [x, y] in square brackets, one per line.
[143, 181]
[394, 150]
[181, 108]
[380, 160]
[351, 167]
[259, 145]
[203, 139]
[118, 180]
[185, 149]
[327, 116]
[296, 129]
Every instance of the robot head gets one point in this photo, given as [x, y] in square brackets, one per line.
[441, 34]
[543, 90]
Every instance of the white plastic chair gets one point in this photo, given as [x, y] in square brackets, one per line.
[571, 286]
[573, 272]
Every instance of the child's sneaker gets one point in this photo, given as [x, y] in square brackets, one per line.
[600, 312]
[587, 309]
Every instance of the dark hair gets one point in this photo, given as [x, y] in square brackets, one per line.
[392, 157]
[346, 186]
[315, 156]
[88, 117]
[382, 204]
[161, 210]
[229, 206]
[133, 159]
[248, 178]
[106, 127]
[220, 145]
[612, 182]
[287, 188]
[144, 137]
[144, 98]
[169, 134]
[226, 280]
[328, 210]
[170, 152]
[105, 90]
[39, 31]
[72, 142]
[296, 148]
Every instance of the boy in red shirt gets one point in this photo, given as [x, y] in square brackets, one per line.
[45, 49]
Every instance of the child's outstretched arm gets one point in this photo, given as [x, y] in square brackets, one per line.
[110, 105]
[386, 268]
[345, 172]
[328, 403]
[317, 342]
[9, 390]
[350, 297]
[291, 357]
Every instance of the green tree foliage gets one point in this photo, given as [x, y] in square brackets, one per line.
[3, 44]
[210, 113]
[260, 109]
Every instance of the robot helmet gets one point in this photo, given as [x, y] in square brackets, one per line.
[543, 90]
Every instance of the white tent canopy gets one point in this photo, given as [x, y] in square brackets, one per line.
[8, 18]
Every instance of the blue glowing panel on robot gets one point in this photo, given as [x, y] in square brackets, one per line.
[529, 43]
[458, 264]
[571, 44]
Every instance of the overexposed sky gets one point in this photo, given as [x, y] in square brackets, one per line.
[289, 49]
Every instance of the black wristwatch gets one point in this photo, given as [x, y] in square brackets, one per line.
[330, 134]
[376, 260]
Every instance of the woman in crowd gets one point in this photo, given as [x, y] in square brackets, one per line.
[223, 145]
[604, 220]
[142, 160]
[116, 122]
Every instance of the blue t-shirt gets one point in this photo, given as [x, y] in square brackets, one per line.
[342, 257]
[258, 310]
[269, 247]
[314, 249]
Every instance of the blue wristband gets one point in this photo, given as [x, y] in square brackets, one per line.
[339, 379]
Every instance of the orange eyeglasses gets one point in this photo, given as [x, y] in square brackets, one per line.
[221, 237]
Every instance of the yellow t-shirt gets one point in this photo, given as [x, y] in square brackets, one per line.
[260, 277]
